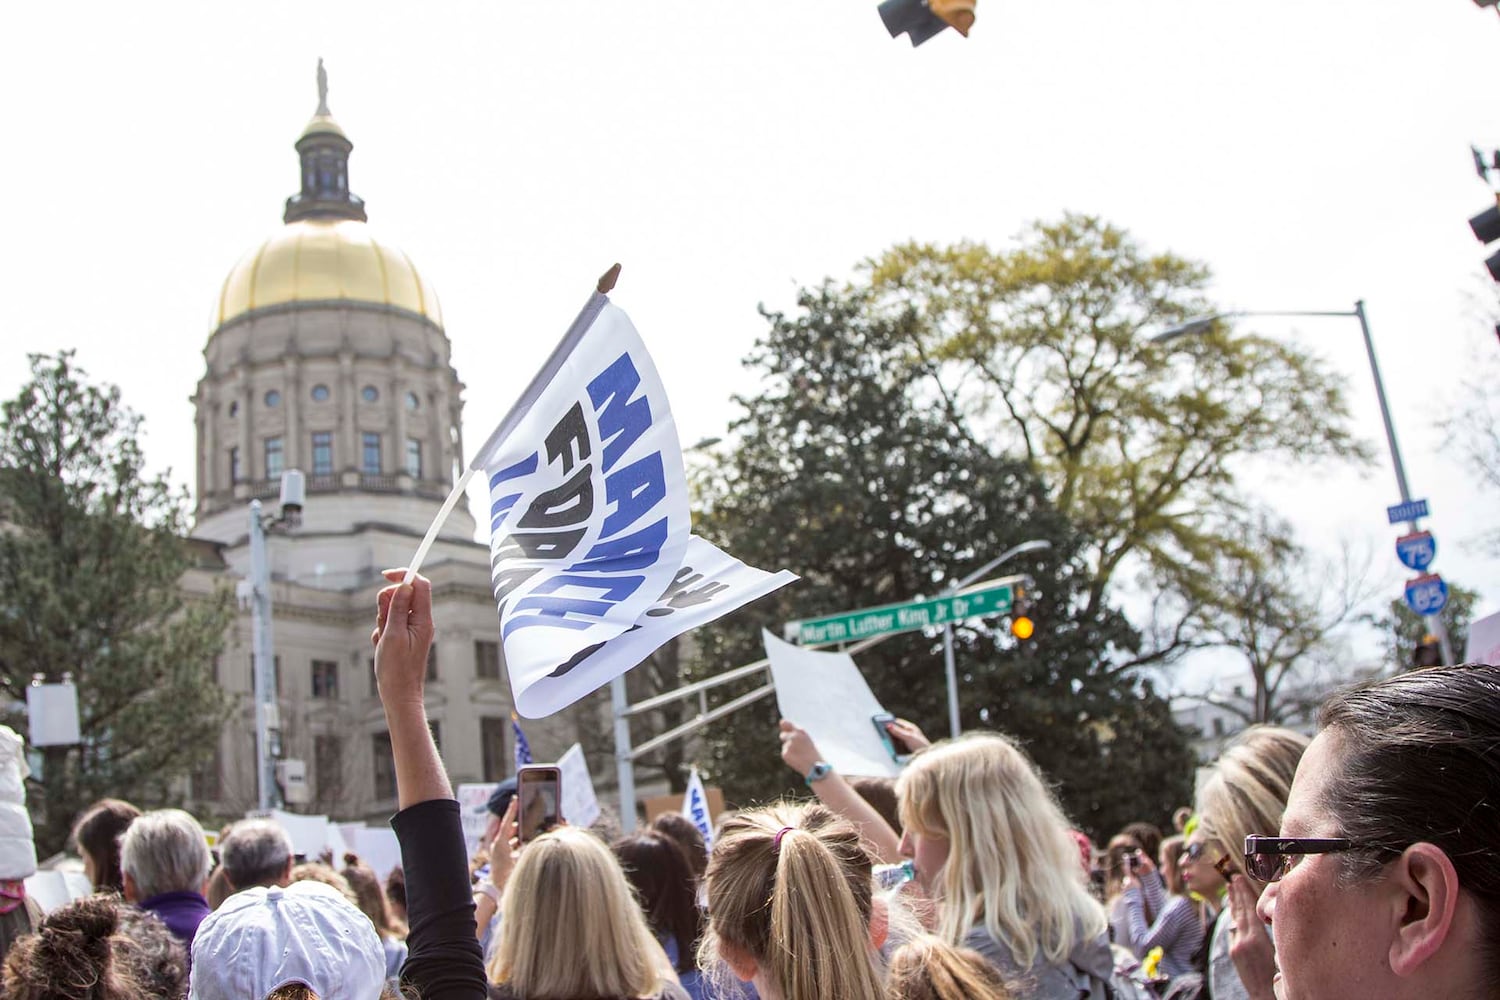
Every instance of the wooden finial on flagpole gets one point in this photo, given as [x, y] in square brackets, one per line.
[607, 282]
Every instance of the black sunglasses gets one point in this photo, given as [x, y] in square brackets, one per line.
[1269, 858]
[1193, 852]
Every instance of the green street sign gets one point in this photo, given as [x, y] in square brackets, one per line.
[909, 617]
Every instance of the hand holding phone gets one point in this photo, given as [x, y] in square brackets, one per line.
[539, 791]
[883, 722]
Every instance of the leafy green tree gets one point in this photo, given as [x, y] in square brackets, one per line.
[847, 470]
[91, 555]
[1043, 351]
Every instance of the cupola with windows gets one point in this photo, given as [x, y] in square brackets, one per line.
[328, 354]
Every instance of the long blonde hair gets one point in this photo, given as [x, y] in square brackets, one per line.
[790, 886]
[1247, 788]
[1012, 865]
[928, 968]
[570, 925]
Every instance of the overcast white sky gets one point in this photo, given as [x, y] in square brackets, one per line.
[1311, 151]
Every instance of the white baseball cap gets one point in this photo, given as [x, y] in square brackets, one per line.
[262, 939]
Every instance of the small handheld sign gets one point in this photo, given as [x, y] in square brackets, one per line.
[1426, 594]
[1417, 550]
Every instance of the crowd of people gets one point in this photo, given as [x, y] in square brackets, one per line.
[1361, 863]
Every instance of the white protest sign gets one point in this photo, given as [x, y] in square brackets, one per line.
[580, 806]
[334, 842]
[52, 710]
[695, 808]
[309, 833]
[473, 811]
[589, 523]
[378, 848]
[1484, 640]
[826, 695]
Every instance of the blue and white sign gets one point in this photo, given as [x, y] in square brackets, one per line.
[695, 808]
[1417, 550]
[1407, 511]
[1426, 594]
[593, 564]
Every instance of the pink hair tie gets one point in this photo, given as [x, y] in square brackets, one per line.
[776, 844]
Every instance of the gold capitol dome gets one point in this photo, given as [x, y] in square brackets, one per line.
[325, 252]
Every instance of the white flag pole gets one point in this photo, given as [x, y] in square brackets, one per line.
[437, 523]
[591, 309]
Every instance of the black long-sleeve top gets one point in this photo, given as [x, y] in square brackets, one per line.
[443, 960]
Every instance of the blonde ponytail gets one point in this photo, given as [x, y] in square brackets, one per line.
[813, 939]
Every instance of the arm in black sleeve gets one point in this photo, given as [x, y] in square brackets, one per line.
[443, 960]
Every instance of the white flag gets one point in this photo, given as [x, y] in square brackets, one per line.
[695, 808]
[592, 562]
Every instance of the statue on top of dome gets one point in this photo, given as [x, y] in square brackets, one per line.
[322, 88]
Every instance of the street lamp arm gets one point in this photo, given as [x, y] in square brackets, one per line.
[1197, 324]
[1034, 545]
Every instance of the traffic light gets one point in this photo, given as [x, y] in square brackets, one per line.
[921, 19]
[1021, 625]
[1429, 653]
[1486, 226]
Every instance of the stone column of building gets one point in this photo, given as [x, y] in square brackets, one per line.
[294, 454]
[443, 451]
[353, 447]
[398, 412]
[243, 393]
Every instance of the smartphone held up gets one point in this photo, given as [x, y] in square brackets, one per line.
[539, 794]
[898, 751]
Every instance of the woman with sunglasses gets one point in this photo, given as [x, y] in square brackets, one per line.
[1200, 879]
[1385, 881]
[1245, 793]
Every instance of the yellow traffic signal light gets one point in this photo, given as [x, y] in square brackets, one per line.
[958, 13]
[1022, 627]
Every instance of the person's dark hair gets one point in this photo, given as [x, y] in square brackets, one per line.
[372, 903]
[301, 991]
[666, 889]
[680, 829]
[72, 956]
[18, 922]
[97, 833]
[1395, 737]
[395, 891]
[153, 953]
[1148, 835]
[881, 794]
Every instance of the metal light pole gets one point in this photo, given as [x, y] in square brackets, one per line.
[1200, 323]
[267, 721]
[621, 710]
[1035, 545]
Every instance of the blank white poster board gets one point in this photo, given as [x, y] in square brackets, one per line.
[1484, 640]
[826, 695]
[580, 806]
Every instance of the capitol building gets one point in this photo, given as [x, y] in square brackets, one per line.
[328, 355]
